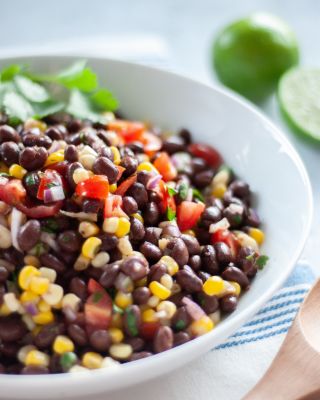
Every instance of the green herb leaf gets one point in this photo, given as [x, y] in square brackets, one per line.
[17, 107]
[172, 192]
[104, 100]
[8, 73]
[197, 194]
[47, 108]
[31, 90]
[97, 296]
[261, 261]
[80, 107]
[117, 309]
[183, 190]
[180, 324]
[250, 257]
[78, 76]
[171, 214]
[132, 323]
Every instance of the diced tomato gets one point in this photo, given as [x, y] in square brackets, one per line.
[207, 153]
[95, 187]
[125, 185]
[149, 329]
[112, 206]
[129, 130]
[12, 191]
[151, 143]
[167, 200]
[49, 179]
[98, 307]
[165, 167]
[227, 237]
[188, 214]
[120, 171]
[42, 211]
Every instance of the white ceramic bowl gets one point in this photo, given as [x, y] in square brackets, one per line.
[252, 146]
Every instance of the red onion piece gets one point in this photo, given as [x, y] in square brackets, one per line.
[81, 215]
[50, 240]
[17, 218]
[193, 309]
[53, 194]
[153, 181]
[31, 308]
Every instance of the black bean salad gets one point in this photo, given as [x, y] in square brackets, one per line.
[117, 240]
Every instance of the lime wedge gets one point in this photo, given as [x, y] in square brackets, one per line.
[299, 98]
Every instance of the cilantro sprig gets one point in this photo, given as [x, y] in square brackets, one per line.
[24, 94]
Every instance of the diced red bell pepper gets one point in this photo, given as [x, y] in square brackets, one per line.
[207, 153]
[188, 214]
[95, 187]
[112, 206]
[167, 200]
[98, 307]
[149, 329]
[227, 237]
[49, 179]
[12, 191]
[129, 130]
[151, 143]
[165, 166]
[125, 185]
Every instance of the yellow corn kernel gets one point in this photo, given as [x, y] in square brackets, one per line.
[88, 229]
[215, 317]
[11, 301]
[48, 273]
[27, 319]
[37, 358]
[138, 216]
[71, 301]
[25, 276]
[123, 300]
[237, 288]
[55, 157]
[123, 227]
[166, 281]
[257, 235]
[23, 352]
[92, 360]
[81, 263]
[110, 225]
[147, 166]
[153, 301]
[32, 260]
[171, 264]
[120, 351]
[116, 155]
[77, 368]
[54, 294]
[43, 306]
[168, 307]
[29, 297]
[100, 259]
[43, 318]
[80, 175]
[39, 285]
[35, 123]
[36, 329]
[201, 326]
[62, 344]
[4, 310]
[116, 335]
[219, 190]
[116, 321]
[159, 290]
[189, 232]
[125, 246]
[17, 171]
[113, 188]
[213, 286]
[149, 315]
[141, 282]
[91, 247]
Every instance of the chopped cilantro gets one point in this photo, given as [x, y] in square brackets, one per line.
[183, 190]
[131, 322]
[172, 192]
[197, 194]
[117, 309]
[250, 257]
[237, 219]
[261, 261]
[97, 296]
[171, 214]
[180, 324]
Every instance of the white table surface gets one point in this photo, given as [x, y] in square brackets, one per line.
[188, 27]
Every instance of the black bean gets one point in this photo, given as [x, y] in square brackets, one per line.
[252, 218]
[198, 165]
[180, 338]
[150, 251]
[71, 153]
[140, 355]
[195, 262]
[232, 273]
[170, 230]
[69, 175]
[29, 234]
[9, 350]
[92, 206]
[34, 370]
[31, 139]
[163, 339]
[12, 328]
[156, 272]
[209, 260]
[31, 182]
[132, 320]
[14, 257]
[137, 230]
[129, 205]
[239, 188]
[103, 166]
[70, 241]
[223, 253]
[246, 261]
[45, 337]
[10, 153]
[135, 267]
[154, 196]
[186, 135]
[202, 235]
[210, 215]
[4, 273]
[203, 275]
[75, 139]
[228, 303]
[234, 214]
[54, 133]
[32, 158]
[77, 334]
[136, 147]
[181, 319]
[141, 295]
[210, 304]
[130, 164]
[189, 281]
[152, 235]
[100, 340]
[203, 178]
[136, 343]
[177, 249]
[8, 134]
[192, 244]
[106, 151]
[74, 125]
[109, 241]
[174, 144]
[139, 193]
[151, 214]
[229, 198]
[109, 275]
[51, 261]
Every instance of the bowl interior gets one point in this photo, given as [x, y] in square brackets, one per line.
[256, 151]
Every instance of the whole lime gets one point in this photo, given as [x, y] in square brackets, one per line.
[251, 54]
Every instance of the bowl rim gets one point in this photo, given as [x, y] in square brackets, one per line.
[229, 324]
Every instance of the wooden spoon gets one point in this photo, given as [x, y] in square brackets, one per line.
[295, 372]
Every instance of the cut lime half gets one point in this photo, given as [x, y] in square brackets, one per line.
[299, 98]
